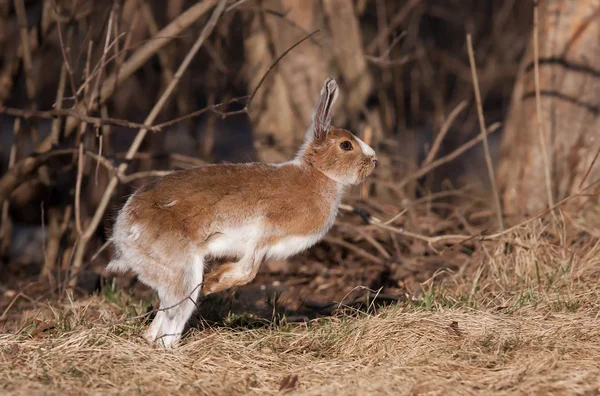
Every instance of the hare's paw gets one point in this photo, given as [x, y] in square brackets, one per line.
[168, 341]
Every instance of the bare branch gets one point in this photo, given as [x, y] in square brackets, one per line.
[27, 59]
[60, 93]
[486, 147]
[23, 169]
[95, 121]
[353, 248]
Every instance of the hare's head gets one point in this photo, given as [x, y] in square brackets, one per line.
[336, 152]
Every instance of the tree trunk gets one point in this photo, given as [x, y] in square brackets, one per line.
[282, 108]
[569, 55]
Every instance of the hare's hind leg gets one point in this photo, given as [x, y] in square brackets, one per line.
[233, 274]
[177, 302]
[152, 332]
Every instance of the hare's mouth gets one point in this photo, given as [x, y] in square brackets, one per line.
[366, 170]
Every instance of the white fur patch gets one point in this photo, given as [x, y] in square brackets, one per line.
[134, 232]
[235, 241]
[291, 245]
[170, 204]
[294, 162]
[366, 149]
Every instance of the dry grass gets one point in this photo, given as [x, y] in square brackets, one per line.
[518, 318]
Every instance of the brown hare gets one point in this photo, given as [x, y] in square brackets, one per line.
[252, 211]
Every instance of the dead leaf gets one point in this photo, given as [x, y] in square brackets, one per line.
[453, 329]
[43, 326]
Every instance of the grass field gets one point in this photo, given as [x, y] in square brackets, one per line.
[521, 317]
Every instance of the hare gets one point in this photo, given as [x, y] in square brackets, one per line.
[251, 211]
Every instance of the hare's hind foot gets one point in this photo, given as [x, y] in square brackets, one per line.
[177, 304]
[234, 274]
[168, 324]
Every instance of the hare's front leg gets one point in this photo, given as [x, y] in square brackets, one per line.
[233, 274]
[177, 303]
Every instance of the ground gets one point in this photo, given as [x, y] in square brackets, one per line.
[519, 315]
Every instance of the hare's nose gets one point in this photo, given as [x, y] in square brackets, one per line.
[375, 162]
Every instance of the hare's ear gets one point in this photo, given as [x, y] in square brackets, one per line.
[321, 118]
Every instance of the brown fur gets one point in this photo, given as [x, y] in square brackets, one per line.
[203, 194]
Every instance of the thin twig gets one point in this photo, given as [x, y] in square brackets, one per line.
[95, 121]
[275, 64]
[153, 30]
[96, 93]
[30, 82]
[214, 108]
[447, 158]
[27, 59]
[6, 225]
[587, 173]
[395, 41]
[113, 170]
[353, 248]
[235, 5]
[86, 76]
[394, 23]
[98, 122]
[443, 131]
[102, 248]
[385, 63]
[383, 59]
[364, 235]
[66, 61]
[163, 55]
[10, 305]
[102, 161]
[538, 105]
[104, 134]
[284, 17]
[120, 55]
[78, 182]
[80, 137]
[396, 217]
[100, 65]
[488, 158]
[60, 93]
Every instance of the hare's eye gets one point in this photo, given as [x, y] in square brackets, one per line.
[346, 145]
